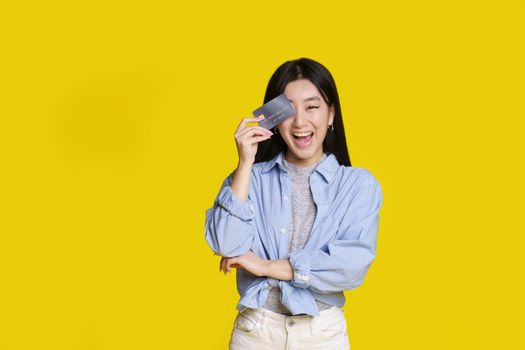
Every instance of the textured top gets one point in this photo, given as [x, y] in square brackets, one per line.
[303, 216]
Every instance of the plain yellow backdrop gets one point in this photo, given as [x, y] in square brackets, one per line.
[117, 122]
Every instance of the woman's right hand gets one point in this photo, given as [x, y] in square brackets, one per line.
[247, 139]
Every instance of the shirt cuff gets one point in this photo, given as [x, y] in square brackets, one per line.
[244, 210]
[301, 262]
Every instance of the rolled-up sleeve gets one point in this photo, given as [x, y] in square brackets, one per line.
[229, 225]
[345, 261]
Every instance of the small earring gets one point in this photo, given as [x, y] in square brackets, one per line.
[276, 131]
[331, 127]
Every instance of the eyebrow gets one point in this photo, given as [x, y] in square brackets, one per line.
[309, 99]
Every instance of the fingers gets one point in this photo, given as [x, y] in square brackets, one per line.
[252, 136]
[233, 262]
[257, 139]
[226, 264]
[222, 264]
[245, 121]
[253, 130]
[225, 268]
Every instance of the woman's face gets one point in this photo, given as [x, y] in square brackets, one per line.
[312, 115]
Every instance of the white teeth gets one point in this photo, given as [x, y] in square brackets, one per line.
[300, 134]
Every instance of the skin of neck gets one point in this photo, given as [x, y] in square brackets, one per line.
[292, 158]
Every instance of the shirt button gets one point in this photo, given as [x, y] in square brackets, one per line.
[291, 323]
[285, 198]
[283, 230]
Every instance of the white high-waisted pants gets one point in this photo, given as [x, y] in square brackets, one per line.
[263, 329]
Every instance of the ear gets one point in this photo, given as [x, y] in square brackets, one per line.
[332, 115]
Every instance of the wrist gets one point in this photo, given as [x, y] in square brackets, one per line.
[244, 164]
[269, 267]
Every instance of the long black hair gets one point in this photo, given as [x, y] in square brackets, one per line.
[315, 72]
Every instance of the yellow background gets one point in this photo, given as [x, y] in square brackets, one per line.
[117, 122]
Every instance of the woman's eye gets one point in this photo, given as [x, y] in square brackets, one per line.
[312, 107]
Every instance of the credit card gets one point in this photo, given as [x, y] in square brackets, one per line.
[275, 111]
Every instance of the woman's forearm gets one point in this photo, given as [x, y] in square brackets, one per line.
[241, 180]
[280, 269]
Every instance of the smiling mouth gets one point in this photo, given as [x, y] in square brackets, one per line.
[302, 135]
[303, 139]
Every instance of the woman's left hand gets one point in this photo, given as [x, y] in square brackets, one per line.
[248, 261]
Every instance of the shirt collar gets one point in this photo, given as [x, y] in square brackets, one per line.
[326, 167]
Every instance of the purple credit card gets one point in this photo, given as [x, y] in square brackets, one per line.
[275, 111]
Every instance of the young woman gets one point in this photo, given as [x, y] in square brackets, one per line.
[295, 219]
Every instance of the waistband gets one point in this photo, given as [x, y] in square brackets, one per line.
[269, 318]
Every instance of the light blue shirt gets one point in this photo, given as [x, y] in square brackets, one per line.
[341, 246]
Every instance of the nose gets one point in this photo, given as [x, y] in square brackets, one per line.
[299, 120]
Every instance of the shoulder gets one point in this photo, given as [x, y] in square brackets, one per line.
[257, 167]
[265, 168]
[256, 172]
[357, 177]
[362, 187]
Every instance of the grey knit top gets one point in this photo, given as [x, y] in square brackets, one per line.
[304, 212]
